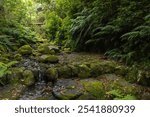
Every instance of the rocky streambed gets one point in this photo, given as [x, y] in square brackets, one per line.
[45, 72]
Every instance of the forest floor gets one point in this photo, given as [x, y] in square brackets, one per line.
[47, 72]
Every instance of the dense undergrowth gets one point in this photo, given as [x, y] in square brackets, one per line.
[118, 28]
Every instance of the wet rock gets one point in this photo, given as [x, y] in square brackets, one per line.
[25, 50]
[28, 78]
[48, 59]
[66, 89]
[39, 91]
[52, 74]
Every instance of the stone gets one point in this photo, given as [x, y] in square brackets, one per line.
[48, 59]
[48, 49]
[66, 89]
[28, 78]
[64, 71]
[84, 71]
[93, 89]
[25, 50]
[16, 75]
[52, 74]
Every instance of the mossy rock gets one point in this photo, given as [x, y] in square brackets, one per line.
[65, 72]
[48, 59]
[28, 78]
[96, 69]
[66, 89]
[16, 75]
[84, 71]
[44, 49]
[93, 89]
[25, 50]
[52, 74]
[48, 49]
[67, 50]
[74, 70]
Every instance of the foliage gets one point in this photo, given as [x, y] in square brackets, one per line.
[118, 27]
[14, 23]
[4, 69]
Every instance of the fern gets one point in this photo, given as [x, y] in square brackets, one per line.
[4, 69]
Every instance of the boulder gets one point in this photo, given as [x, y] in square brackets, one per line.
[28, 78]
[93, 89]
[25, 50]
[84, 71]
[52, 74]
[64, 71]
[66, 89]
[48, 59]
[48, 49]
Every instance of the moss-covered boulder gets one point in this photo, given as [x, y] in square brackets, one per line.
[16, 75]
[48, 59]
[66, 89]
[48, 49]
[64, 71]
[74, 70]
[84, 71]
[28, 78]
[25, 50]
[67, 50]
[52, 74]
[93, 89]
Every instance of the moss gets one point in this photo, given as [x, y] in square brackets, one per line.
[48, 59]
[94, 88]
[44, 49]
[96, 70]
[15, 76]
[25, 50]
[48, 49]
[28, 78]
[67, 50]
[84, 71]
[65, 72]
[52, 74]
[74, 70]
